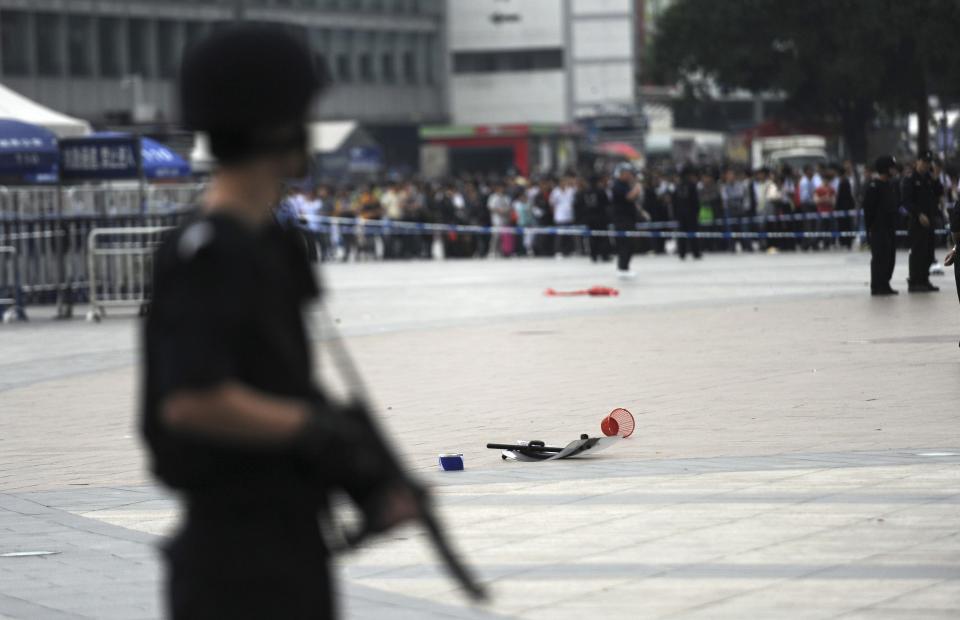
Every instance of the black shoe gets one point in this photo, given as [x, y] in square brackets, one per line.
[922, 287]
[884, 292]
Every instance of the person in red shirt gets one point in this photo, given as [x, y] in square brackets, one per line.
[825, 197]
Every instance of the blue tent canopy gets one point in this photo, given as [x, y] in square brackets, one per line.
[28, 153]
[158, 160]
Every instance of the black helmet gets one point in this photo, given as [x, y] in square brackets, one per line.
[883, 164]
[927, 156]
[249, 86]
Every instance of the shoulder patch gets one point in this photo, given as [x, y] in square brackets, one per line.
[194, 238]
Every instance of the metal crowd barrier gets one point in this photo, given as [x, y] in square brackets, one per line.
[120, 268]
[11, 295]
[48, 229]
[669, 230]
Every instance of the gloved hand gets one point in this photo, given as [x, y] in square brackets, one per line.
[340, 443]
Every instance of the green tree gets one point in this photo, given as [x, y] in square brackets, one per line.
[841, 61]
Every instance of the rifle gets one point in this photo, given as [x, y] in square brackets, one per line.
[360, 414]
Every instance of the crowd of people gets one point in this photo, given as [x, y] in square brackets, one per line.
[738, 209]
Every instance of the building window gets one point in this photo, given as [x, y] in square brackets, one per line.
[344, 74]
[138, 44]
[387, 69]
[430, 48]
[366, 68]
[323, 67]
[13, 43]
[79, 44]
[168, 53]
[109, 45]
[49, 44]
[410, 68]
[491, 62]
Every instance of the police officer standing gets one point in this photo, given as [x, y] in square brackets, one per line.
[687, 204]
[880, 204]
[623, 205]
[920, 195]
[232, 418]
[593, 203]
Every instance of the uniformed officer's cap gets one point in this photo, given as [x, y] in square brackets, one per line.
[928, 156]
[883, 164]
[249, 86]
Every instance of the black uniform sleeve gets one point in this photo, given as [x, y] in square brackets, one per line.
[870, 205]
[955, 218]
[907, 196]
[619, 193]
[200, 309]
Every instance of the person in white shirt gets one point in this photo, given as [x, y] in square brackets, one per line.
[808, 207]
[500, 210]
[392, 204]
[309, 210]
[561, 200]
[760, 186]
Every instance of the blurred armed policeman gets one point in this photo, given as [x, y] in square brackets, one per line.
[231, 415]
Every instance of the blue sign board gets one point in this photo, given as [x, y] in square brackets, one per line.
[100, 157]
[367, 159]
[28, 153]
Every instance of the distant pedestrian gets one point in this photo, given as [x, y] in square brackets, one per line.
[561, 200]
[654, 205]
[500, 217]
[687, 211]
[808, 207]
[920, 195]
[880, 204]
[624, 195]
[736, 206]
[595, 205]
[825, 197]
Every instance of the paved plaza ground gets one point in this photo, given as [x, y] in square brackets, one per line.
[797, 452]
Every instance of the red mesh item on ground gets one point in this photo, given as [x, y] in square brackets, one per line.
[619, 422]
[593, 291]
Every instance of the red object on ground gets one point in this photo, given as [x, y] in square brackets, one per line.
[609, 426]
[593, 291]
[618, 422]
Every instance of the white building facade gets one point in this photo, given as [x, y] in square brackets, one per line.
[541, 61]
